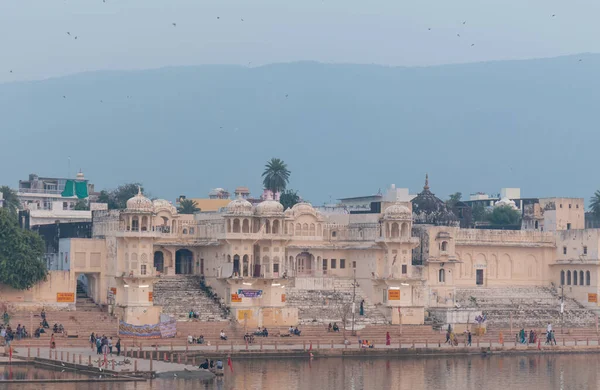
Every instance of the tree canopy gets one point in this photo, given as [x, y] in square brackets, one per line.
[276, 175]
[11, 200]
[453, 200]
[289, 198]
[595, 204]
[117, 198]
[187, 206]
[82, 204]
[21, 254]
[505, 215]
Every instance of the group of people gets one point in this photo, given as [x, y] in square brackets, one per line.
[59, 328]
[104, 345]
[294, 331]
[7, 333]
[211, 365]
[193, 314]
[249, 338]
[550, 339]
[261, 332]
[525, 337]
[333, 328]
[195, 339]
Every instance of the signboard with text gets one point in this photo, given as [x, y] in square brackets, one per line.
[236, 298]
[593, 297]
[65, 297]
[250, 293]
[393, 295]
[150, 296]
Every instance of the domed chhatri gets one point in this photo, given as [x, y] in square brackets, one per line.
[163, 205]
[303, 208]
[397, 211]
[239, 206]
[140, 204]
[429, 209]
[269, 208]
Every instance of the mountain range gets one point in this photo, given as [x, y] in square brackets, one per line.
[344, 130]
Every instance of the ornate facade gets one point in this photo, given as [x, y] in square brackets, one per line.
[412, 256]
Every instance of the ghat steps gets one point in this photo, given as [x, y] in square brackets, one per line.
[322, 300]
[178, 294]
[532, 306]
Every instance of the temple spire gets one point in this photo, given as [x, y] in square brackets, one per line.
[426, 187]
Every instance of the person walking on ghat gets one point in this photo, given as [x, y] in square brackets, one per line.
[469, 338]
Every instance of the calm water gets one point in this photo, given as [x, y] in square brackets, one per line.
[573, 371]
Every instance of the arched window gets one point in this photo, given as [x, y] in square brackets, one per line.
[395, 230]
[275, 227]
[444, 246]
[312, 230]
[236, 225]
[581, 278]
[404, 230]
[333, 234]
[305, 229]
[574, 278]
[562, 278]
[267, 227]
[536, 225]
[587, 278]
[246, 226]
[442, 276]
[568, 278]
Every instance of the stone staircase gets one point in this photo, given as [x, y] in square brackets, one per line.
[326, 302]
[533, 306]
[178, 294]
[83, 302]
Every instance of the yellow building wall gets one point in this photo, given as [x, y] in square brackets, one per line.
[43, 294]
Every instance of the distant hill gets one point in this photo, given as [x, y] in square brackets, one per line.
[344, 130]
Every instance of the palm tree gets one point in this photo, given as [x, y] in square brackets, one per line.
[187, 206]
[595, 203]
[276, 175]
[11, 200]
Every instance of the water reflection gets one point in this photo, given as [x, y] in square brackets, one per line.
[532, 372]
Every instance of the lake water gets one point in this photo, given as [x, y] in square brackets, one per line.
[531, 372]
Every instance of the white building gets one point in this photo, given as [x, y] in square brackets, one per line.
[40, 193]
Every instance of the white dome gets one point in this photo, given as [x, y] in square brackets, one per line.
[269, 208]
[140, 203]
[506, 202]
[397, 211]
[303, 208]
[163, 205]
[239, 206]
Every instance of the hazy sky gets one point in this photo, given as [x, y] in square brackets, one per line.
[135, 34]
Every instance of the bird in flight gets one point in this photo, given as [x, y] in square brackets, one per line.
[579, 61]
[465, 22]
[429, 29]
[458, 35]
[64, 97]
[286, 95]
[174, 24]
[11, 71]
[553, 15]
[242, 20]
[68, 33]
[472, 44]
[218, 17]
[75, 36]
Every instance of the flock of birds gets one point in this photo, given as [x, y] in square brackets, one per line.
[174, 25]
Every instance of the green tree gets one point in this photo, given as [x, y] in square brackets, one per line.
[21, 254]
[276, 175]
[289, 198]
[117, 198]
[595, 204]
[11, 200]
[453, 200]
[82, 204]
[479, 213]
[505, 215]
[187, 206]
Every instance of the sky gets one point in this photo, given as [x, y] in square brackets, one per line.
[139, 34]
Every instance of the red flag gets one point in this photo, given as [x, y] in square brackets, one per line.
[229, 363]
[310, 348]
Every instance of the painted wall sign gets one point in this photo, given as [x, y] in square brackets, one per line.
[393, 295]
[236, 298]
[65, 297]
[250, 293]
[593, 297]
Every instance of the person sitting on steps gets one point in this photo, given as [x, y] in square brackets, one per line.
[204, 365]
[222, 335]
